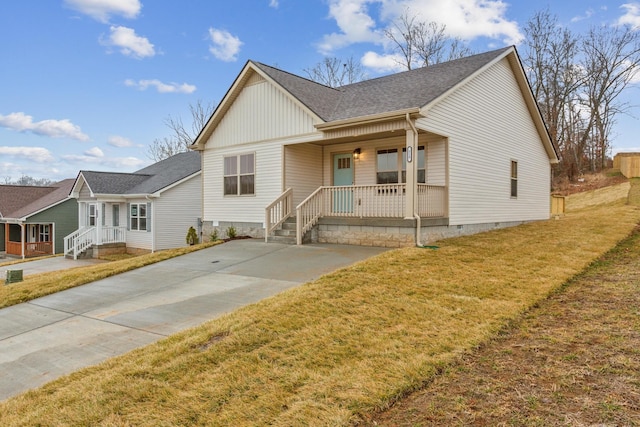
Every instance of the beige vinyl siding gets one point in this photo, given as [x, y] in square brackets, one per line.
[261, 112]
[139, 239]
[268, 183]
[177, 209]
[85, 193]
[303, 170]
[488, 125]
[365, 166]
[436, 162]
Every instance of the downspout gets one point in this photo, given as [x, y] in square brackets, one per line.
[415, 193]
[153, 225]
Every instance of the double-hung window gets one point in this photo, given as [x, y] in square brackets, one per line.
[239, 175]
[387, 172]
[138, 216]
[391, 166]
[45, 233]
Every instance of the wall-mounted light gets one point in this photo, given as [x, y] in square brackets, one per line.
[356, 153]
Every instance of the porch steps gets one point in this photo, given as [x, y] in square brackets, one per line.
[286, 234]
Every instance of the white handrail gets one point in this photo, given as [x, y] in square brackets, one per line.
[83, 238]
[277, 212]
[308, 212]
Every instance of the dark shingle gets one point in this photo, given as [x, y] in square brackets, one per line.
[409, 89]
[29, 200]
[147, 180]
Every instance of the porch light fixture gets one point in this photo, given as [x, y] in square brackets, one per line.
[356, 153]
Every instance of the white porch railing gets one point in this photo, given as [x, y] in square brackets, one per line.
[277, 212]
[83, 238]
[367, 201]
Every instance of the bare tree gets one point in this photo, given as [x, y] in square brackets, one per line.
[551, 57]
[335, 72]
[611, 59]
[181, 136]
[27, 180]
[420, 44]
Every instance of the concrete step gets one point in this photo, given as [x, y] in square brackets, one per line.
[287, 240]
[285, 232]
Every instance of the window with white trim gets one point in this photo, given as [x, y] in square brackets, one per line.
[138, 216]
[239, 175]
[390, 166]
[514, 178]
[45, 233]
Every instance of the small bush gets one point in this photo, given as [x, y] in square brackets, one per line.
[231, 232]
[214, 235]
[192, 236]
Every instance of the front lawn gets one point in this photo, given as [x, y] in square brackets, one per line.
[334, 350]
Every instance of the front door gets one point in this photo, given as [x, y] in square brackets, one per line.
[343, 177]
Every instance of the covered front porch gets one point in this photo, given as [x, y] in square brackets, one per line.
[383, 171]
[29, 240]
[99, 226]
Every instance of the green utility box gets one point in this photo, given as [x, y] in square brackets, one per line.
[13, 276]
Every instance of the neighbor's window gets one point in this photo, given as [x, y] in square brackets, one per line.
[239, 175]
[92, 215]
[514, 178]
[45, 233]
[138, 216]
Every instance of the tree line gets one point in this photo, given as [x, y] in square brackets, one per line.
[577, 80]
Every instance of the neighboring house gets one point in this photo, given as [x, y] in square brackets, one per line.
[148, 210]
[34, 220]
[454, 148]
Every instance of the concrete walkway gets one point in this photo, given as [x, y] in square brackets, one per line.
[55, 335]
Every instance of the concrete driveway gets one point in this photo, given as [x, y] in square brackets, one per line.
[60, 333]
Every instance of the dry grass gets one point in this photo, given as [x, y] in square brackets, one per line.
[334, 350]
[38, 285]
[571, 361]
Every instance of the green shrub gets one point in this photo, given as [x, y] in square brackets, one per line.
[231, 232]
[192, 236]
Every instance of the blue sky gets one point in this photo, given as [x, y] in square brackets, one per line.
[87, 84]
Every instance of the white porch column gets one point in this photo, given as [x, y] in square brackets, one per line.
[411, 153]
[98, 223]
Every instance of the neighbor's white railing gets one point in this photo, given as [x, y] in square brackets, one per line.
[113, 235]
[277, 212]
[83, 238]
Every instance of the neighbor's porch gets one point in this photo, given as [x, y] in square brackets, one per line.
[99, 225]
[29, 240]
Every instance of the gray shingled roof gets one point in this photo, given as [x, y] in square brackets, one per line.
[409, 89]
[148, 180]
[22, 201]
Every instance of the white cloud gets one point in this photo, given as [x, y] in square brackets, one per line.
[129, 43]
[53, 128]
[465, 19]
[119, 141]
[101, 10]
[112, 163]
[355, 24]
[381, 63]
[274, 4]
[34, 154]
[587, 14]
[225, 45]
[631, 16]
[94, 152]
[160, 86]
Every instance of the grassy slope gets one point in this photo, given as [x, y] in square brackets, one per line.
[332, 350]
